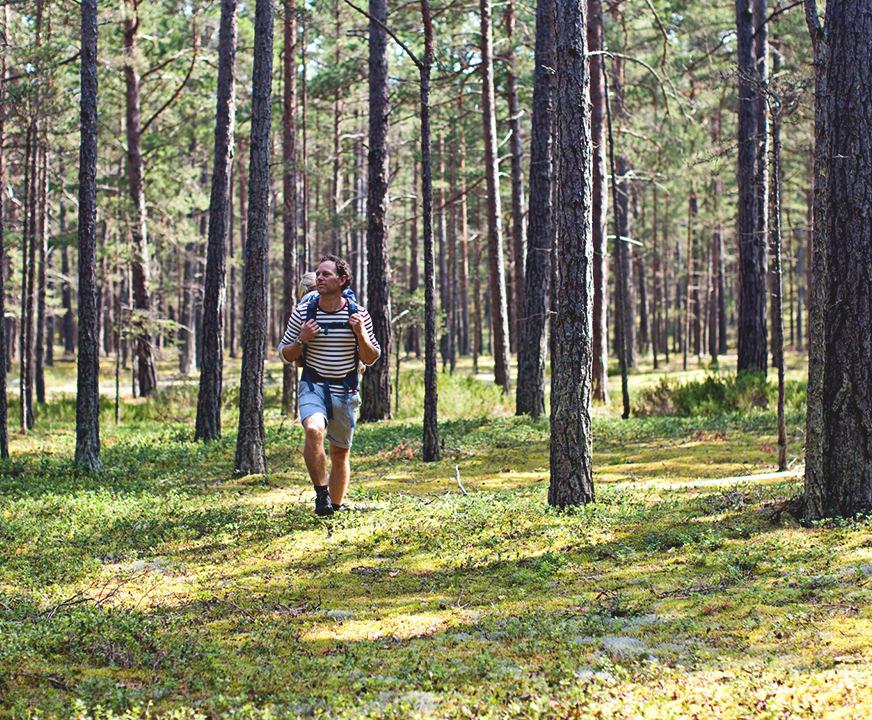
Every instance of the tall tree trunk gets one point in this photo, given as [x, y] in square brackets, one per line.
[775, 274]
[413, 339]
[530, 398]
[463, 259]
[625, 316]
[838, 470]
[289, 192]
[761, 112]
[4, 336]
[336, 181]
[208, 426]
[496, 263]
[571, 445]
[28, 262]
[42, 239]
[752, 248]
[667, 261]
[442, 256]
[431, 449]
[599, 206]
[306, 258]
[250, 457]
[87, 385]
[656, 330]
[451, 262]
[519, 240]
[376, 392]
[147, 375]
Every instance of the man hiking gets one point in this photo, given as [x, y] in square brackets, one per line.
[330, 334]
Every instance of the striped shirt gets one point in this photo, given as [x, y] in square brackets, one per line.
[333, 353]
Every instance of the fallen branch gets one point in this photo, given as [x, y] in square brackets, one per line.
[457, 477]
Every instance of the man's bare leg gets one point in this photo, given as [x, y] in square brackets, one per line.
[313, 451]
[340, 469]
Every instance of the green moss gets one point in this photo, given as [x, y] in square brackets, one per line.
[168, 588]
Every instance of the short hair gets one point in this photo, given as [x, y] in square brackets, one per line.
[343, 269]
[307, 283]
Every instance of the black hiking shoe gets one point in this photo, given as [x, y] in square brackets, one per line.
[323, 506]
[341, 507]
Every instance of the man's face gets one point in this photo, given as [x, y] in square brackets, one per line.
[327, 279]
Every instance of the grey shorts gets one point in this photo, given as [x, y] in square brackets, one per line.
[342, 416]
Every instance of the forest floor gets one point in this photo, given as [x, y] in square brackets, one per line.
[168, 588]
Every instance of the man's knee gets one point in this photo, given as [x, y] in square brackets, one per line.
[314, 433]
[338, 452]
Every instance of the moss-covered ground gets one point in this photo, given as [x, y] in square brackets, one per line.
[166, 587]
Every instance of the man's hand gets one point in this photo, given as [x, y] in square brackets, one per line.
[356, 323]
[309, 330]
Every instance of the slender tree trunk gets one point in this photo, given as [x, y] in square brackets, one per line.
[413, 336]
[622, 247]
[376, 393]
[306, 251]
[431, 449]
[442, 256]
[496, 263]
[208, 426]
[289, 191]
[4, 335]
[599, 206]
[775, 274]
[87, 386]
[451, 276]
[42, 238]
[667, 261]
[186, 314]
[28, 258]
[571, 444]
[752, 248]
[519, 240]
[761, 112]
[530, 398]
[621, 258]
[800, 290]
[147, 375]
[250, 457]
[838, 470]
[657, 330]
[463, 259]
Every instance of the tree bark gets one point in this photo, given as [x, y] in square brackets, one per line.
[463, 257]
[519, 212]
[623, 250]
[530, 399]
[4, 337]
[250, 457]
[775, 274]
[431, 449]
[208, 425]
[571, 446]
[413, 335]
[838, 474]
[752, 248]
[42, 239]
[28, 262]
[496, 263]
[599, 207]
[289, 192]
[376, 392]
[147, 375]
[88, 365]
